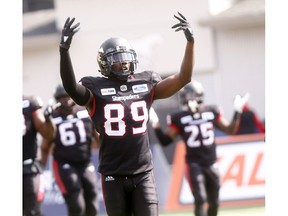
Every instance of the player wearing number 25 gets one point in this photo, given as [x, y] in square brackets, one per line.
[195, 124]
[119, 103]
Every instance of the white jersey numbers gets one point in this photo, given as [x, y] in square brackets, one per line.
[115, 124]
[120, 128]
[136, 109]
[206, 131]
[68, 136]
[24, 127]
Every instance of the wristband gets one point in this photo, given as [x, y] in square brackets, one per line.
[163, 138]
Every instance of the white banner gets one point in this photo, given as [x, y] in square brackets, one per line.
[241, 167]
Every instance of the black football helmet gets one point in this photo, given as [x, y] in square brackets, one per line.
[116, 50]
[60, 92]
[64, 99]
[193, 91]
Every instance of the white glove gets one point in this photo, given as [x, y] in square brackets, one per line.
[239, 102]
[153, 118]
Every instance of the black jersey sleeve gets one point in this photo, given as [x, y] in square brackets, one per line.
[76, 91]
[87, 82]
[155, 78]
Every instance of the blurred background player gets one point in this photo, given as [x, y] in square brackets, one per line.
[195, 123]
[71, 147]
[250, 122]
[34, 122]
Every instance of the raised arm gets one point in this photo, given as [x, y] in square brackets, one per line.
[46, 147]
[174, 83]
[232, 126]
[43, 125]
[80, 94]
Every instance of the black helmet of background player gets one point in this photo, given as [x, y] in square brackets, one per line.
[66, 101]
[193, 92]
[117, 51]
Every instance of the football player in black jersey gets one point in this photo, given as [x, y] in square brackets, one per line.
[71, 146]
[34, 122]
[195, 124]
[119, 103]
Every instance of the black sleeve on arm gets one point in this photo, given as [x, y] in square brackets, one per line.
[236, 115]
[80, 94]
[163, 138]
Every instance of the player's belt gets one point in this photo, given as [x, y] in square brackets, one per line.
[27, 161]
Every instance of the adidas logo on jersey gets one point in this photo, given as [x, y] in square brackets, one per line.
[109, 178]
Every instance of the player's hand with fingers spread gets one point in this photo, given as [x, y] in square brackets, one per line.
[184, 26]
[154, 120]
[239, 102]
[68, 32]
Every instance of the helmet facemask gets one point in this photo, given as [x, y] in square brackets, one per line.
[67, 104]
[191, 96]
[117, 61]
[61, 96]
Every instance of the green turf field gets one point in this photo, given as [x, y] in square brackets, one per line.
[251, 211]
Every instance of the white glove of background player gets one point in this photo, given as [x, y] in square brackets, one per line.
[239, 102]
[50, 109]
[153, 118]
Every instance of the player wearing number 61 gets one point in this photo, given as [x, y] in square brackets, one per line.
[71, 147]
[119, 103]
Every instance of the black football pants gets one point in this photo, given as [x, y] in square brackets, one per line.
[204, 182]
[130, 195]
[78, 185]
[31, 198]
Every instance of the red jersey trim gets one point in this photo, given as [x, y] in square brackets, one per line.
[218, 118]
[58, 179]
[174, 127]
[93, 108]
[41, 188]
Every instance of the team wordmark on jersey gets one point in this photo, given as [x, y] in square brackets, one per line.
[108, 91]
[124, 98]
[208, 115]
[140, 88]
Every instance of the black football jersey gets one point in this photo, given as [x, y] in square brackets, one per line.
[197, 131]
[73, 137]
[120, 115]
[30, 104]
